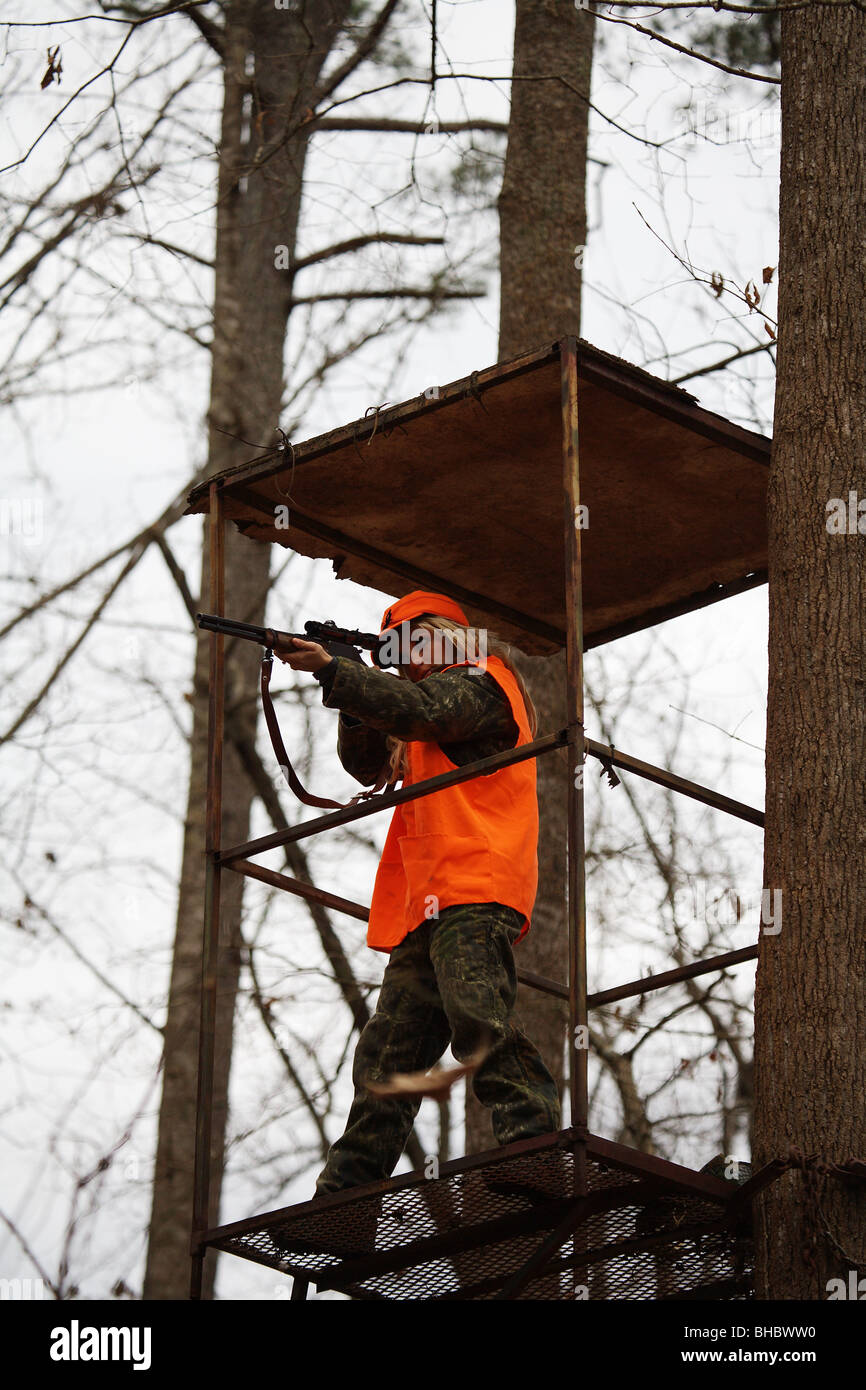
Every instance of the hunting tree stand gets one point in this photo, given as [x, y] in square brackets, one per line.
[676, 498]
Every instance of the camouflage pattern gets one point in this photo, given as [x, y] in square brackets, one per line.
[453, 980]
[464, 710]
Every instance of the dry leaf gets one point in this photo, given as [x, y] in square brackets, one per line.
[426, 1083]
[54, 68]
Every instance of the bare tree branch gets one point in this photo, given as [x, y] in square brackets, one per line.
[211, 32]
[22, 1241]
[725, 362]
[95, 204]
[134, 24]
[66, 105]
[147, 240]
[724, 5]
[266, 1015]
[506, 79]
[718, 285]
[362, 51]
[169, 516]
[33, 705]
[340, 248]
[89, 964]
[636, 1127]
[132, 16]
[392, 126]
[403, 292]
[690, 52]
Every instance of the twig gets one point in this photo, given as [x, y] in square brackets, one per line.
[689, 52]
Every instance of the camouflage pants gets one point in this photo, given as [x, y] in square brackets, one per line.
[453, 980]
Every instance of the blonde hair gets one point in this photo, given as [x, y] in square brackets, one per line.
[397, 766]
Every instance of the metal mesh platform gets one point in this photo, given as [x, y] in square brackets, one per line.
[511, 1223]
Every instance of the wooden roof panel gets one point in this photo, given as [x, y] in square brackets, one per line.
[464, 493]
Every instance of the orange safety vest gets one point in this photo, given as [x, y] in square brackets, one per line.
[473, 843]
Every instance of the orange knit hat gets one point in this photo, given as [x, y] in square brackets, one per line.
[418, 602]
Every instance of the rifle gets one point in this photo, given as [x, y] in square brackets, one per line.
[339, 641]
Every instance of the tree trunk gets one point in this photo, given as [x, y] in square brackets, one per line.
[810, 1003]
[272, 63]
[542, 219]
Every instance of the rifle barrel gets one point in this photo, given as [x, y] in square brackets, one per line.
[230, 627]
[324, 633]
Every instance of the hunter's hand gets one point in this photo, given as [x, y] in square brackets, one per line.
[303, 656]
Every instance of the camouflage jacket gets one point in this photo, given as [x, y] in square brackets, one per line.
[464, 710]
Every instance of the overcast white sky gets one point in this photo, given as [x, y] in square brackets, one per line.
[103, 464]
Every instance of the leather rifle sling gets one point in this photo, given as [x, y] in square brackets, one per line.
[308, 798]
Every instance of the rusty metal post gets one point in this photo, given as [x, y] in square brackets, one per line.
[210, 939]
[577, 1005]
